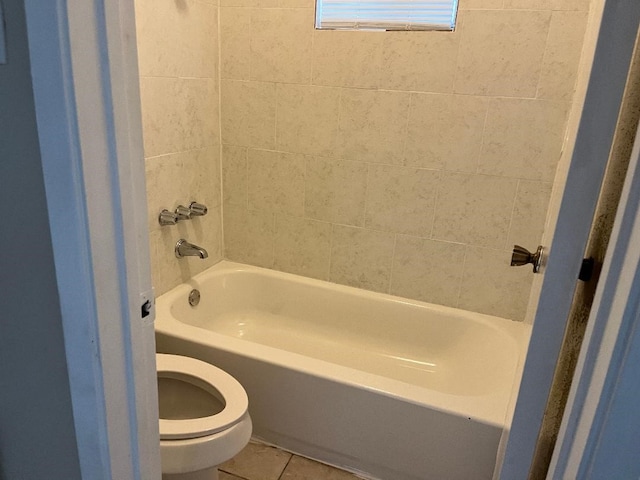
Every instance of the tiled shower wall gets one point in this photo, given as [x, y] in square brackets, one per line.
[179, 86]
[401, 162]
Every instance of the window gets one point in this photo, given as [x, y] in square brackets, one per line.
[386, 14]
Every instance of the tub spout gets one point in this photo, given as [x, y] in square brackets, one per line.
[186, 249]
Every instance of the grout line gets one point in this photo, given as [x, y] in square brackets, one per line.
[460, 21]
[333, 158]
[246, 178]
[234, 475]
[367, 192]
[488, 105]
[513, 210]
[545, 55]
[405, 140]
[436, 203]
[221, 157]
[393, 260]
[285, 467]
[330, 251]
[462, 275]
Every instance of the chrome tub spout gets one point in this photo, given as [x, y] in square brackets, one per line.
[186, 249]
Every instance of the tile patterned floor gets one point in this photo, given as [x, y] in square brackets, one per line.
[262, 462]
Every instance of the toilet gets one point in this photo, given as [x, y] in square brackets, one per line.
[204, 417]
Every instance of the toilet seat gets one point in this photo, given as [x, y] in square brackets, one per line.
[211, 379]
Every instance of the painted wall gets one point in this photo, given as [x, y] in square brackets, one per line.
[401, 162]
[178, 63]
[37, 436]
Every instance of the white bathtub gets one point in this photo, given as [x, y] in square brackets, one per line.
[392, 388]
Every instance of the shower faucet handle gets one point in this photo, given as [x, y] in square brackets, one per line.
[167, 218]
[183, 213]
[522, 256]
[198, 209]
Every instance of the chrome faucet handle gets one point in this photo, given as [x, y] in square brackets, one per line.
[167, 218]
[522, 256]
[183, 213]
[198, 209]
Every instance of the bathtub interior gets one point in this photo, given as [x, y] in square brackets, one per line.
[438, 348]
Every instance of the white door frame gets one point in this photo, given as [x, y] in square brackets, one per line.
[84, 69]
[615, 42]
[600, 431]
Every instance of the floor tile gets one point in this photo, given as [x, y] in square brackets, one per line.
[228, 476]
[257, 462]
[300, 468]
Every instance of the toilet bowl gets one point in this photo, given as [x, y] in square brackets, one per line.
[204, 417]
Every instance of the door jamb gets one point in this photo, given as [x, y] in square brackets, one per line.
[598, 394]
[83, 65]
[611, 62]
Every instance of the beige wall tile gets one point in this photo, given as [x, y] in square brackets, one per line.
[335, 191]
[182, 178]
[427, 270]
[347, 59]
[582, 5]
[401, 199]
[529, 214]
[235, 43]
[166, 185]
[177, 38]
[445, 131]
[523, 138]
[529, 4]
[167, 271]
[178, 60]
[248, 113]
[281, 45]
[480, 4]
[276, 182]
[372, 125]
[474, 209]
[248, 236]
[361, 258]
[234, 175]
[562, 55]
[299, 4]
[419, 61]
[178, 114]
[307, 119]
[302, 246]
[250, 3]
[501, 52]
[566, 5]
[490, 285]
[207, 187]
[212, 241]
[203, 113]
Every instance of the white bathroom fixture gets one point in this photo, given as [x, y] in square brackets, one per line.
[204, 417]
[388, 387]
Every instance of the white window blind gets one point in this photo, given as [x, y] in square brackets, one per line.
[386, 14]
